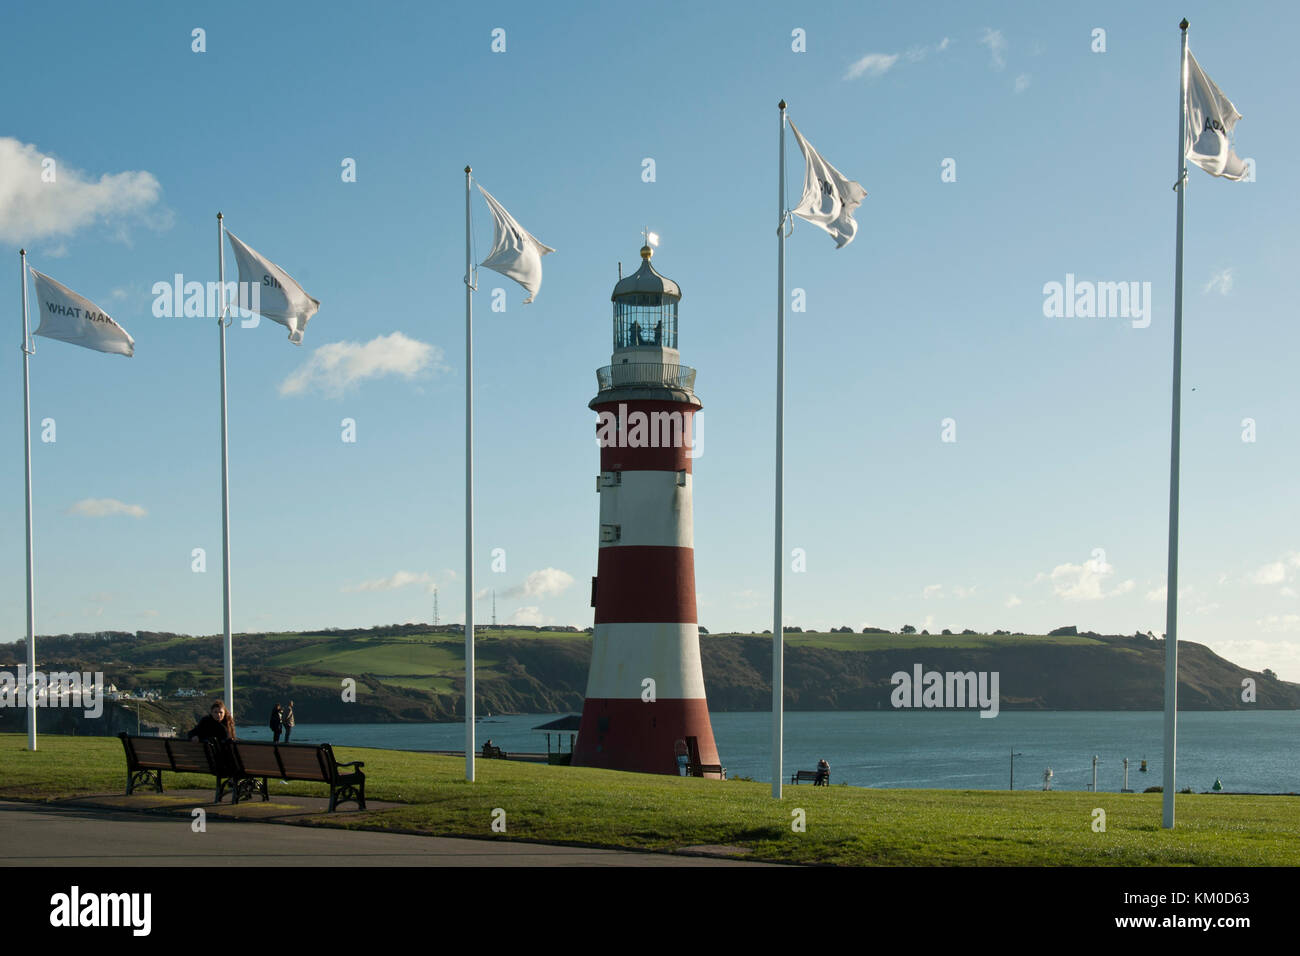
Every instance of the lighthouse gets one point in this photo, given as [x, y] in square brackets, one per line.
[645, 708]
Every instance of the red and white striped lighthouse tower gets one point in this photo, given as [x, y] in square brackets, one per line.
[645, 708]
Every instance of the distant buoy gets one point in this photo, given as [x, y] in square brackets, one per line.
[1143, 768]
[1218, 785]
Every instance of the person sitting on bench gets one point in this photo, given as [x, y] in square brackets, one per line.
[823, 774]
[218, 725]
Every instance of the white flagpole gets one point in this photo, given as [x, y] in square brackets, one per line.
[1171, 597]
[29, 691]
[778, 565]
[469, 495]
[227, 650]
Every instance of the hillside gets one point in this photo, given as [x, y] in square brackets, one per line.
[415, 673]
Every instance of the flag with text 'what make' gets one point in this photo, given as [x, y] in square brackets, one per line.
[73, 318]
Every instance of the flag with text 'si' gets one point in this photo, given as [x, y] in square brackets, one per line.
[281, 299]
[829, 197]
[69, 317]
[1210, 119]
[515, 253]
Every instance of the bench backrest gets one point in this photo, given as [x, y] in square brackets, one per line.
[284, 761]
[190, 756]
[166, 753]
[149, 753]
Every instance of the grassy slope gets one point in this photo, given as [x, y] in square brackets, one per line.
[845, 825]
[418, 676]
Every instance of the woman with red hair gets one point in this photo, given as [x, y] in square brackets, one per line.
[218, 725]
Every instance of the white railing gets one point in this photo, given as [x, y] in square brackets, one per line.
[632, 374]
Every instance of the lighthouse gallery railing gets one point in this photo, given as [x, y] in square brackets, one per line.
[646, 373]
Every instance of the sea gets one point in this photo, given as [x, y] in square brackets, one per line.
[1246, 752]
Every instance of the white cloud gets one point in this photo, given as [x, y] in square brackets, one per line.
[547, 582]
[962, 592]
[1084, 582]
[997, 44]
[528, 616]
[878, 64]
[32, 209]
[1280, 656]
[339, 366]
[1279, 622]
[931, 590]
[1220, 282]
[873, 64]
[1013, 601]
[1022, 82]
[103, 508]
[401, 579]
[1272, 573]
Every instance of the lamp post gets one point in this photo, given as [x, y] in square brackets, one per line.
[1094, 773]
[1014, 755]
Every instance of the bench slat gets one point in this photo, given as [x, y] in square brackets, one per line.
[303, 762]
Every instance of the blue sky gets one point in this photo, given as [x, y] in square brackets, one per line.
[1064, 160]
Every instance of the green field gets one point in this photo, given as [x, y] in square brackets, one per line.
[844, 825]
[893, 642]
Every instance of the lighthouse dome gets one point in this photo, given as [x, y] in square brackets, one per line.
[646, 281]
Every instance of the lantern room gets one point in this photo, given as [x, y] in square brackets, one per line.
[645, 310]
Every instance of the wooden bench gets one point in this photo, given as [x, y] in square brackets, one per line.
[148, 757]
[255, 762]
[803, 776]
[705, 769]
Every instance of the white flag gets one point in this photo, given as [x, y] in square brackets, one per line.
[281, 298]
[828, 197]
[515, 253]
[69, 317]
[1210, 118]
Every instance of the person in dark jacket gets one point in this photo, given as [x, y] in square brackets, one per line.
[823, 774]
[218, 725]
[277, 722]
[288, 722]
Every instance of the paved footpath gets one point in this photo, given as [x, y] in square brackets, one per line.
[68, 835]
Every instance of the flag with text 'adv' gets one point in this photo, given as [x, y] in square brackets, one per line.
[69, 317]
[281, 298]
[1210, 119]
[828, 197]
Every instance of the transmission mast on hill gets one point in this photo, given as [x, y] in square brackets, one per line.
[435, 606]
[494, 607]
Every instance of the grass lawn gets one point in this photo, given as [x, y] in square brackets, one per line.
[844, 825]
